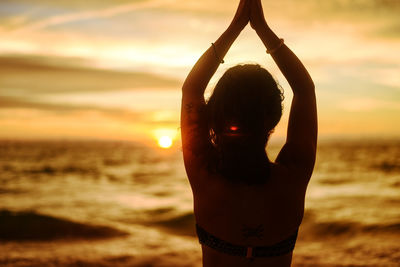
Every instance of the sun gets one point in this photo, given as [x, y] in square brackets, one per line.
[165, 141]
[165, 137]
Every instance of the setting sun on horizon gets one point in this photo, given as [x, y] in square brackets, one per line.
[93, 170]
[165, 142]
[165, 137]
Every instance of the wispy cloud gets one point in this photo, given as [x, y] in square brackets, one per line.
[59, 75]
[368, 104]
[310, 9]
[91, 14]
[119, 114]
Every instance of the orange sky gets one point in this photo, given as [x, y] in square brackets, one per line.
[113, 70]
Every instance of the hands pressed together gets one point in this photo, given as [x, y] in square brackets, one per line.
[249, 11]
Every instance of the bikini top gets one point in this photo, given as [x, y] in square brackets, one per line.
[277, 249]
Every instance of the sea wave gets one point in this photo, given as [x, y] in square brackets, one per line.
[29, 226]
[182, 224]
[335, 181]
[7, 191]
[387, 167]
[149, 177]
[318, 230]
[57, 170]
[161, 260]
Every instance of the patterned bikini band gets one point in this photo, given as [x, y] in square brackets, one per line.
[278, 249]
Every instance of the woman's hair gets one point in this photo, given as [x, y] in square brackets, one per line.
[243, 110]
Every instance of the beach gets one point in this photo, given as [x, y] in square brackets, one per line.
[106, 203]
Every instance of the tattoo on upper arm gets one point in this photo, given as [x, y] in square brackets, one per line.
[193, 113]
[253, 232]
[194, 128]
[189, 107]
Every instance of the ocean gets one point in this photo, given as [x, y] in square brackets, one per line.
[104, 203]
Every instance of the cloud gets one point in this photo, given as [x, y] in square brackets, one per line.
[57, 108]
[106, 12]
[23, 103]
[35, 74]
[92, 10]
[368, 104]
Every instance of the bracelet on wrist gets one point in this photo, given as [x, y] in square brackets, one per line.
[273, 50]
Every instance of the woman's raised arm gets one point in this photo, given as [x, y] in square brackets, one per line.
[300, 148]
[196, 82]
[198, 78]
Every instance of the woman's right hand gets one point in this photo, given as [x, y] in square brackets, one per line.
[257, 19]
[242, 15]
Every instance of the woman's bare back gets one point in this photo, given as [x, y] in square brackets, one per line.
[260, 215]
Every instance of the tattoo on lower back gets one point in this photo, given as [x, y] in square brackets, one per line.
[253, 232]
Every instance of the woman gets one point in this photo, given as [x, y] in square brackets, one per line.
[247, 208]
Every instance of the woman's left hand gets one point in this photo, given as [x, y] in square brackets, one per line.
[242, 16]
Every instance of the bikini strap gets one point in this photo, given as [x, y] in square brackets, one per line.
[278, 249]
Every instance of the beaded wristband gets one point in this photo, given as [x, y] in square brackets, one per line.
[216, 54]
[273, 50]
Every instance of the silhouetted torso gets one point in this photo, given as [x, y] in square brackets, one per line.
[249, 215]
